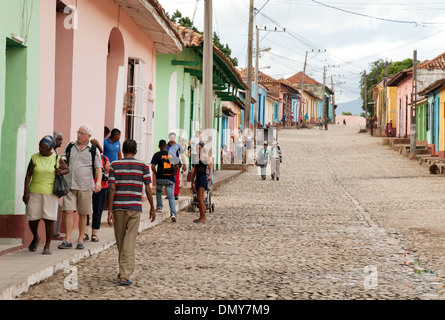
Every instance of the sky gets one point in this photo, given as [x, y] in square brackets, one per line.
[342, 37]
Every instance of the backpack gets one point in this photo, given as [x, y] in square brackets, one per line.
[93, 155]
[165, 166]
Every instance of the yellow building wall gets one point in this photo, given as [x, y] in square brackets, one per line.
[391, 105]
[442, 122]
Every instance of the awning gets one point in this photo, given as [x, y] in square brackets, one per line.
[228, 112]
[151, 18]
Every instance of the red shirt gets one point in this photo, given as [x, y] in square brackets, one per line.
[104, 183]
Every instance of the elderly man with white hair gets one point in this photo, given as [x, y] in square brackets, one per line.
[84, 162]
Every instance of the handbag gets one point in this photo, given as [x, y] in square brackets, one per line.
[60, 186]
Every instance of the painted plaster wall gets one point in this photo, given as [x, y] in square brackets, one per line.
[354, 121]
[89, 50]
[168, 115]
[403, 99]
[391, 113]
[19, 70]
[421, 122]
[441, 95]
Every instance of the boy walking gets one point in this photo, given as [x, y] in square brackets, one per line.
[162, 165]
[126, 181]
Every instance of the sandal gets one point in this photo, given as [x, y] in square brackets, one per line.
[33, 245]
[198, 221]
[86, 237]
[94, 238]
[47, 252]
[124, 282]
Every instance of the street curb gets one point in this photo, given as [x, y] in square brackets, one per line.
[34, 278]
[31, 278]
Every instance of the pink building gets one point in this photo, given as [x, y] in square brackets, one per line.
[98, 67]
[403, 80]
[428, 72]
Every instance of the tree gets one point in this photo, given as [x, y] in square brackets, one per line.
[377, 73]
[346, 113]
[186, 22]
[183, 21]
[224, 48]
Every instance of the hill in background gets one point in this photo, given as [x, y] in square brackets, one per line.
[354, 107]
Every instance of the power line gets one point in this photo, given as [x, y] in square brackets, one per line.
[378, 18]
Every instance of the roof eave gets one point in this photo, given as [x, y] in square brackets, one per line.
[151, 18]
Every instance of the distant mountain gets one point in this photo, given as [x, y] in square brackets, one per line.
[355, 107]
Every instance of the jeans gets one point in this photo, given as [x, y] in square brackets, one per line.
[98, 207]
[170, 190]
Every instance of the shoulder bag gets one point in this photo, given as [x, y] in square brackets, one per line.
[60, 186]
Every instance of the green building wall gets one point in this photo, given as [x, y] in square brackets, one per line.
[421, 134]
[184, 100]
[19, 91]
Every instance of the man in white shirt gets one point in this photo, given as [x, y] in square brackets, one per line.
[80, 180]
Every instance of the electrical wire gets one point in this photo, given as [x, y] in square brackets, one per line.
[378, 18]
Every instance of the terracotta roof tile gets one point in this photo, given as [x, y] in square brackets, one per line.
[296, 78]
[195, 39]
[436, 63]
[190, 37]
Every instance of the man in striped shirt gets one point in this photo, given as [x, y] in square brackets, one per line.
[127, 178]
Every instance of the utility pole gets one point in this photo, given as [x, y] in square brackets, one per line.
[333, 100]
[365, 94]
[322, 95]
[384, 121]
[255, 92]
[208, 67]
[302, 90]
[249, 69]
[256, 86]
[413, 106]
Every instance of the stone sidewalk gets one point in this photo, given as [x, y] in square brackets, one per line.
[21, 269]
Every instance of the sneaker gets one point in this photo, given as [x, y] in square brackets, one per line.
[80, 246]
[65, 245]
[159, 210]
[176, 197]
[173, 218]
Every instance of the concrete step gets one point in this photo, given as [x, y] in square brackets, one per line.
[393, 141]
[424, 160]
[435, 160]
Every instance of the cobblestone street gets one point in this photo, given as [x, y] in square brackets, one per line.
[336, 226]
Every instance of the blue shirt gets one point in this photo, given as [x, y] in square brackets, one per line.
[175, 151]
[111, 149]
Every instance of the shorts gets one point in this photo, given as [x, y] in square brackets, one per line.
[201, 182]
[78, 200]
[42, 206]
